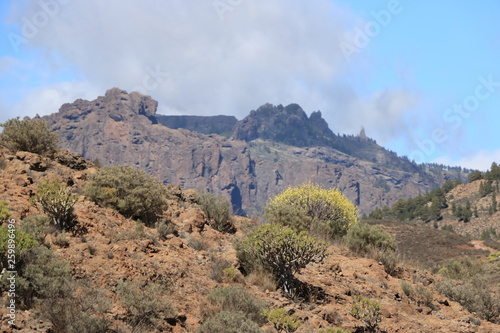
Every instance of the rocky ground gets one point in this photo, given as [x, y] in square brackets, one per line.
[114, 248]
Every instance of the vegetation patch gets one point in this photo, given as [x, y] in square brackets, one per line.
[130, 191]
[283, 252]
[326, 213]
[28, 135]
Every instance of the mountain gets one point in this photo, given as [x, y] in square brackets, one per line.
[274, 147]
[121, 271]
[221, 125]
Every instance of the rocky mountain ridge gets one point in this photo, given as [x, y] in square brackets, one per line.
[255, 164]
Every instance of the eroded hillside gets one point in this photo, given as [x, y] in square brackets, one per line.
[183, 265]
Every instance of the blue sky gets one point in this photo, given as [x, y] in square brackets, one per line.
[420, 76]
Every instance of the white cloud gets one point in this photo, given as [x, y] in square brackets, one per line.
[480, 160]
[48, 99]
[276, 51]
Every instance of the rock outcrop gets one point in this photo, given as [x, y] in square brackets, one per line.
[272, 148]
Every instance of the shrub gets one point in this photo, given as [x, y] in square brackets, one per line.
[237, 299]
[462, 268]
[390, 259]
[494, 256]
[263, 280]
[283, 252]
[281, 320]
[56, 201]
[422, 296]
[218, 266]
[230, 274]
[10, 236]
[60, 240]
[324, 212]
[41, 275]
[218, 211]
[38, 226]
[407, 289]
[130, 191]
[333, 330]
[28, 135]
[475, 296]
[165, 228]
[368, 312]
[80, 312]
[365, 239]
[145, 305]
[448, 228]
[3, 163]
[229, 322]
[4, 211]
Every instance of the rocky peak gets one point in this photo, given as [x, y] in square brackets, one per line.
[289, 125]
[117, 103]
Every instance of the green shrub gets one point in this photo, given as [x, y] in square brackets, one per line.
[390, 259]
[4, 212]
[229, 322]
[230, 273]
[407, 289]
[57, 202]
[323, 212]
[236, 299]
[494, 256]
[283, 252]
[38, 226]
[41, 275]
[248, 261]
[462, 268]
[448, 228]
[28, 135]
[146, 305]
[13, 242]
[333, 330]
[130, 191]
[281, 320]
[368, 312]
[474, 295]
[366, 239]
[218, 211]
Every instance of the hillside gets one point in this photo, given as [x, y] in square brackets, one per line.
[187, 262]
[467, 209]
[262, 158]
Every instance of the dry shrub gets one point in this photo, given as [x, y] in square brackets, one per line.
[236, 299]
[146, 305]
[218, 211]
[229, 322]
[263, 280]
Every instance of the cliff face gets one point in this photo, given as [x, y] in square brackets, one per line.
[121, 128]
[262, 158]
[222, 125]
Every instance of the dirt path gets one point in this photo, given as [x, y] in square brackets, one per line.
[479, 244]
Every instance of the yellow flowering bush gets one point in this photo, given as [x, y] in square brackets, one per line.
[309, 207]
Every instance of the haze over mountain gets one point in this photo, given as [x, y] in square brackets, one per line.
[373, 63]
[272, 148]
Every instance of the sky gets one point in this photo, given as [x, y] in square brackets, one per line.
[422, 77]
